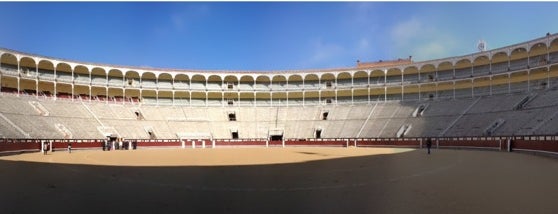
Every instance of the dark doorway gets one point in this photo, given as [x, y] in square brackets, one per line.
[232, 116]
[234, 135]
[276, 137]
[318, 133]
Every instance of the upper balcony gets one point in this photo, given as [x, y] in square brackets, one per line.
[540, 52]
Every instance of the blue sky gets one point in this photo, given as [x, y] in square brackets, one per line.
[269, 35]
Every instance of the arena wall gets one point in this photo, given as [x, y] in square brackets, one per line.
[462, 102]
[547, 145]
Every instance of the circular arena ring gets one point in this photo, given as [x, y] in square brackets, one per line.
[278, 180]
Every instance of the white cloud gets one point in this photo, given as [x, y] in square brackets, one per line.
[323, 53]
[405, 32]
[432, 50]
[366, 28]
[422, 41]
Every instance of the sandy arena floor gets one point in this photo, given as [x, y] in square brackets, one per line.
[278, 180]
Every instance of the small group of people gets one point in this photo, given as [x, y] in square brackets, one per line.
[50, 146]
[119, 145]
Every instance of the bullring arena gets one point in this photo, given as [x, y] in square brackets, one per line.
[147, 140]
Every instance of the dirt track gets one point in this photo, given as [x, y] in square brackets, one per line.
[279, 180]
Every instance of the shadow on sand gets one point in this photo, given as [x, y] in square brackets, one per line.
[448, 181]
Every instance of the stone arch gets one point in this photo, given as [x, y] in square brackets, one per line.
[132, 78]
[27, 65]
[518, 59]
[98, 76]
[553, 47]
[246, 83]
[64, 71]
[214, 82]
[8, 60]
[445, 71]
[499, 62]
[295, 81]
[539, 48]
[262, 82]
[327, 76]
[46, 69]
[360, 78]
[197, 82]
[410, 70]
[278, 82]
[377, 77]
[463, 63]
[481, 65]
[148, 80]
[427, 68]
[115, 77]
[499, 57]
[410, 74]
[230, 82]
[427, 73]
[165, 76]
[182, 81]
[519, 53]
[46, 65]
[231, 79]
[393, 75]
[344, 79]
[311, 81]
[164, 81]
[538, 55]
[81, 74]
[328, 80]
[481, 60]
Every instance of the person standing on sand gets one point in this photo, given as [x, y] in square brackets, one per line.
[428, 144]
[70, 148]
[45, 148]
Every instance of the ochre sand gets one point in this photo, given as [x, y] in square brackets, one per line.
[201, 157]
[278, 180]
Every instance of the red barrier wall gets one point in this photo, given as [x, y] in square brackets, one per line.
[340, 143]
[240, 143]
[75, 145]
[276, 143]
[397, 143]
[469, 143]
[98, 145]
[18, 146]
[154, 143]
[549, 146]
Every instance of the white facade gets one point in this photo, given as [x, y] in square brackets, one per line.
[532, 61]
